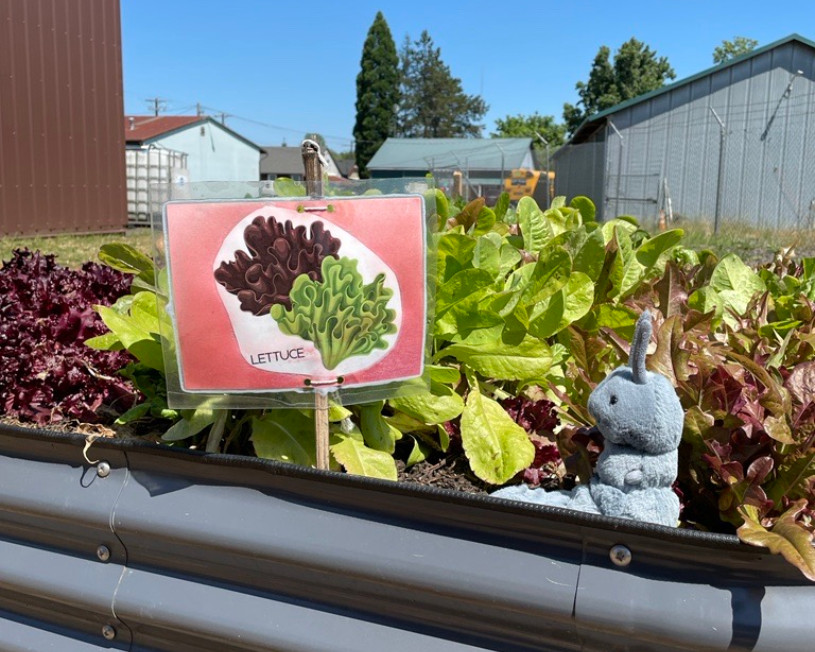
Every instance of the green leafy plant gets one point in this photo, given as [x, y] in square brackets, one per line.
[510, 282]
[533, 308]
[137, 322]
[341, 314]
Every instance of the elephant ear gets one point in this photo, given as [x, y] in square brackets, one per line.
[639, 347]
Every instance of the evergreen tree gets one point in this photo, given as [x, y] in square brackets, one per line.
[433, 103]
[377, 92]
[732, 49]
[636, 70]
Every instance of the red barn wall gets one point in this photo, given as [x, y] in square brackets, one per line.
[62, 167]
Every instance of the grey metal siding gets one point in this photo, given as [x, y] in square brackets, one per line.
[61, 138]
[764, 181]
[768, 176]
[579, 170]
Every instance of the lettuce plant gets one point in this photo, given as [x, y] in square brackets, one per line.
[341, 314]
[47, 374]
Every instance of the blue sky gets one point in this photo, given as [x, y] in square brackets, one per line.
[282, 68]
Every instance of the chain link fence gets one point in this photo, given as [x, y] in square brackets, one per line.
[741, 170]
[456, 182]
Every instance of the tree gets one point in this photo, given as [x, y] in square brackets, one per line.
[530, 126]
[377, 92]
[433, 103]
[636, 70]
[732, 49]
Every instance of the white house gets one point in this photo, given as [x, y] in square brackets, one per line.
[214, 152]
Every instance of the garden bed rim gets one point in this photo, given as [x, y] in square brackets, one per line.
[579, 519]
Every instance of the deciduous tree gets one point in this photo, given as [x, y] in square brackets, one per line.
[377, 92]
[523, 126]
[636, 70]
[532, 126]
[732, 49]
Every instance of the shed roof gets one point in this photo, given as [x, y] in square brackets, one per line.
[143, 129]
[435, 153]
[593, 119]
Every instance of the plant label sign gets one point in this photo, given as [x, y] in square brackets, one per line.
[280, 295]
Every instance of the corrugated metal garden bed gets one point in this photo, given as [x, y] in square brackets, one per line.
[157, 549]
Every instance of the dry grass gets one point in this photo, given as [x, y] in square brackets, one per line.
[73, 250]
[754, 246]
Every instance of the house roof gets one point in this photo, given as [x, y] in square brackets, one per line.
[284, 161]
[436, 153]
[345, 165]
[144, 129]
[288, 161]
[141, 128]
[600, 115]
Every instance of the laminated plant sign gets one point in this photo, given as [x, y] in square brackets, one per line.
[283, 295]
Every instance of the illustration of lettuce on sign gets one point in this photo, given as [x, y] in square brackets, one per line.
[340, 314]
[298, 277]
[306, 292]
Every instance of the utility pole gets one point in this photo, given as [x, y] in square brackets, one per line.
[199, 110]
[224, 116]
[157, 103]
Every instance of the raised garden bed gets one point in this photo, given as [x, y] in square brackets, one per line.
[215, 552]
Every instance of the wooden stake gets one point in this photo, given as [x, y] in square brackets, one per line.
[313, 168]
[314, 187]
[321, 428]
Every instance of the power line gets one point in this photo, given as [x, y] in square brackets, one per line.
[159, 105]
[274, 126]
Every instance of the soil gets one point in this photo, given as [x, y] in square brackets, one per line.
[447, 473]
[144, 429]
[95, 429]
[762, 255]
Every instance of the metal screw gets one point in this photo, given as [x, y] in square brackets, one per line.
[103, 470]
[103, 552]
[620, 555]
[109, 632]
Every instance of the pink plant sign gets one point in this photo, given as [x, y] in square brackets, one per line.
[271, 296]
